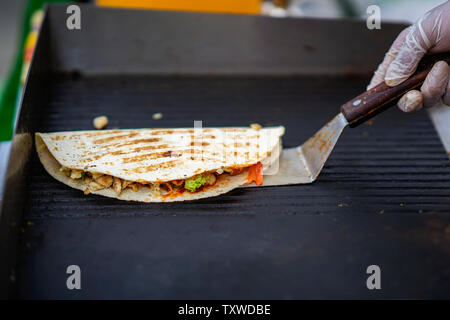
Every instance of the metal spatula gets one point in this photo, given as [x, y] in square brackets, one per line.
[304, 163]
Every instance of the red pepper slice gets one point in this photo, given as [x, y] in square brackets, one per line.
[255, 173]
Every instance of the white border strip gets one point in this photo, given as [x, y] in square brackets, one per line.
[440, 115]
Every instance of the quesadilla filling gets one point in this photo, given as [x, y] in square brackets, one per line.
[99, 181]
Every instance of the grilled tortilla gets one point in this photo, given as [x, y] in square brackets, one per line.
[159, 165]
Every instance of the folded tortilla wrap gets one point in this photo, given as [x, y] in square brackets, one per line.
[158, 165]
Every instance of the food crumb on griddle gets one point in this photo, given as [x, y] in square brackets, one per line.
[100, 122]
[157, 116]
[255, 126]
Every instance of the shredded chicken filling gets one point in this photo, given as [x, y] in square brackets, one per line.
[99, 181]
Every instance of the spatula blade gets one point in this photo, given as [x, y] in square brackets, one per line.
[317, 149]
[303, 164]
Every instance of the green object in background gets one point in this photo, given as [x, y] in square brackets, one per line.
[12, 89]
[347, 8]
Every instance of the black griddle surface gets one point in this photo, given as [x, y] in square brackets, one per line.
[383, 198]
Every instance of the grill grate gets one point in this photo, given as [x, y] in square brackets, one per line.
[383, 198]
[397, 165]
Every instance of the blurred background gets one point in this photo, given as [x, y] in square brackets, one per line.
[10, 24]
[20, 19]
[12, 14]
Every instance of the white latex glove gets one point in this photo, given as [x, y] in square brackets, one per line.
[430, 34]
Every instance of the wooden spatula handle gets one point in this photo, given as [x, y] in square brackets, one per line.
[381, 97]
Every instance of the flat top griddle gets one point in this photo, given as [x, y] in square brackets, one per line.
[383, 197]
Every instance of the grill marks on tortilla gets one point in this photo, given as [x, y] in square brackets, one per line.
[121, 141]
[132, 142]
[147, 156]
[191, 153]
[128, 151]
[57, 138]
[203, 144]
[160, 154]
[97, 133]
[171, 131]
[123, 136]
[206, 154]
[145, 148]
[154, 167]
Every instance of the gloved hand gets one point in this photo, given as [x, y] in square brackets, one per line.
[430, 34]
